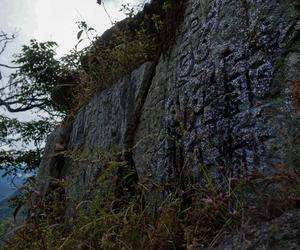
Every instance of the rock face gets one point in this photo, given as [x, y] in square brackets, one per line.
[52, 162]
[280, 233]
[226, 94]
[104, 130]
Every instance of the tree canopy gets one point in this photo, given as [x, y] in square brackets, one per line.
[38, 73]
[29, 87]
[15, 136]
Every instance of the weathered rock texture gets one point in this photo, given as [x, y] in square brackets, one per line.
[226, 94]
[280, 233]
[52, 162]
[104, 130]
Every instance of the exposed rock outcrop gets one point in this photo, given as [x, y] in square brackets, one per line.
[280, 233]
[104, 130]
[52, 162]
[226, 94]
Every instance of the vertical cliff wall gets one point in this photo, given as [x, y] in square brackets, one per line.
[225, 95]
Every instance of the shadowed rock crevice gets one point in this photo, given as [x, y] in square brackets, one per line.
[128, 178]
[53, 161]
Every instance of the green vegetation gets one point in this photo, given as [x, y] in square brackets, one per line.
[30, 88]
[12, 132]
[186, 219]
[107, 61]
[141, 37]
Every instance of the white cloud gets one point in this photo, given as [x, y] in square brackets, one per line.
[56, 19]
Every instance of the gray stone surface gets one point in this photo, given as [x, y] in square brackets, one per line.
[103, 131]
[227, 103]
[52, 162]
[226, 94]
[280, 233]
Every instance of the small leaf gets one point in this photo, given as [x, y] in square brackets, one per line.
[76, 46]
[79, 34]
[90, 29]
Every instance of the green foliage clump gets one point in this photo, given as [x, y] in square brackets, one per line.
[31, 84]
[38, 64]
[40, 83]
[141, 37]
[14, 132]
[38, 75]
[44, 225]
[107, 61]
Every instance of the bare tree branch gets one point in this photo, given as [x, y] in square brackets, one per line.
[4, 40]
[22, 108]
[9, 67]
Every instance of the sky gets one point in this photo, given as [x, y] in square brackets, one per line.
[56, 19]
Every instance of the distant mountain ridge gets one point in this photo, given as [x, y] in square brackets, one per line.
[8, 189]
[8, 185]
